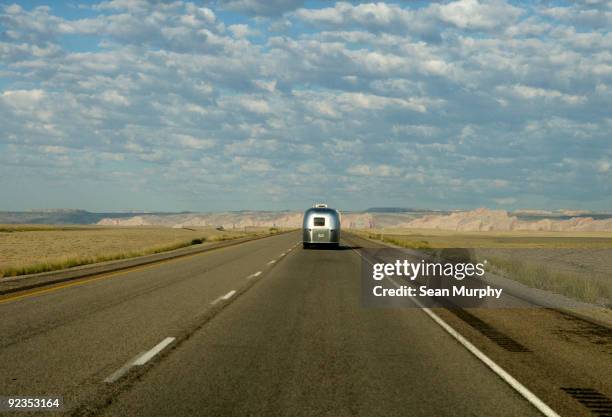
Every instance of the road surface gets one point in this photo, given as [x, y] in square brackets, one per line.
[265, 328]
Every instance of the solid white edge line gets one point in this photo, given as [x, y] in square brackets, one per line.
[147, 356]
[498, 370]
[509, 379]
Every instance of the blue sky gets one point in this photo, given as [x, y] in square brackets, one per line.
[254, 104]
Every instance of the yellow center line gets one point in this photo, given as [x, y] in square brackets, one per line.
[107, 275]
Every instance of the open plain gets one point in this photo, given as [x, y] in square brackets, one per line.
[40, 248]
[576, 264]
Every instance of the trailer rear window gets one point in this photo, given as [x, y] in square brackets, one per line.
[319, 221]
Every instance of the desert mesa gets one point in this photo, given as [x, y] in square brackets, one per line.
[481, 219]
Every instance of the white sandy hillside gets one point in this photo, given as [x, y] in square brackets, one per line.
[242, 220]
[231, 220]
[499, 220]
[130, 221]
[236, 220]
[476, 220]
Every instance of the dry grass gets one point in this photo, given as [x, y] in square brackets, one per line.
[591, 288]
[515, 239]
[577, 265]
[26, 249]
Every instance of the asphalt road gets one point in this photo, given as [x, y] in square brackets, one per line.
[263, 328]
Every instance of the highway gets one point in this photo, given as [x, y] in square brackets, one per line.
[265, 328]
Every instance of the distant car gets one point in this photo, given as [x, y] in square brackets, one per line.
[321, 226]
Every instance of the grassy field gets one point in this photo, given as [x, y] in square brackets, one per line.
[27, 249]
[574, 264]
[507, 240]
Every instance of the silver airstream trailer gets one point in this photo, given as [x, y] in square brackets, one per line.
[321, 226]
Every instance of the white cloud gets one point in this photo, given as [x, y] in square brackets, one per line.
[23, 99]
[194, 143]
[255, 105]
[464, 14]
[590, 15]
[381, 170]
[114, 97]
[256, 165]
[136, 6]
[242, 30]
[376, 15]
[350, 101]
[477, 14]
[333, 15]
[528, 93]
[261, 7]
[430, 97]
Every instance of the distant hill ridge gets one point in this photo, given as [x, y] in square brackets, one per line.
[500, 220]
[473, 220]
[58, 216]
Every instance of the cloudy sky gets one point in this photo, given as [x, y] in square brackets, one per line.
[274, 104]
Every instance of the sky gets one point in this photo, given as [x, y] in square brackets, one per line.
[277, 104]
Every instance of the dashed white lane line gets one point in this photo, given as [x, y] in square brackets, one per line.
[147, 356]
[121, 371]
[229, 295]
[255, 275]
[224, 297]
[144, 357]
[498, 370]
[139, 360]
